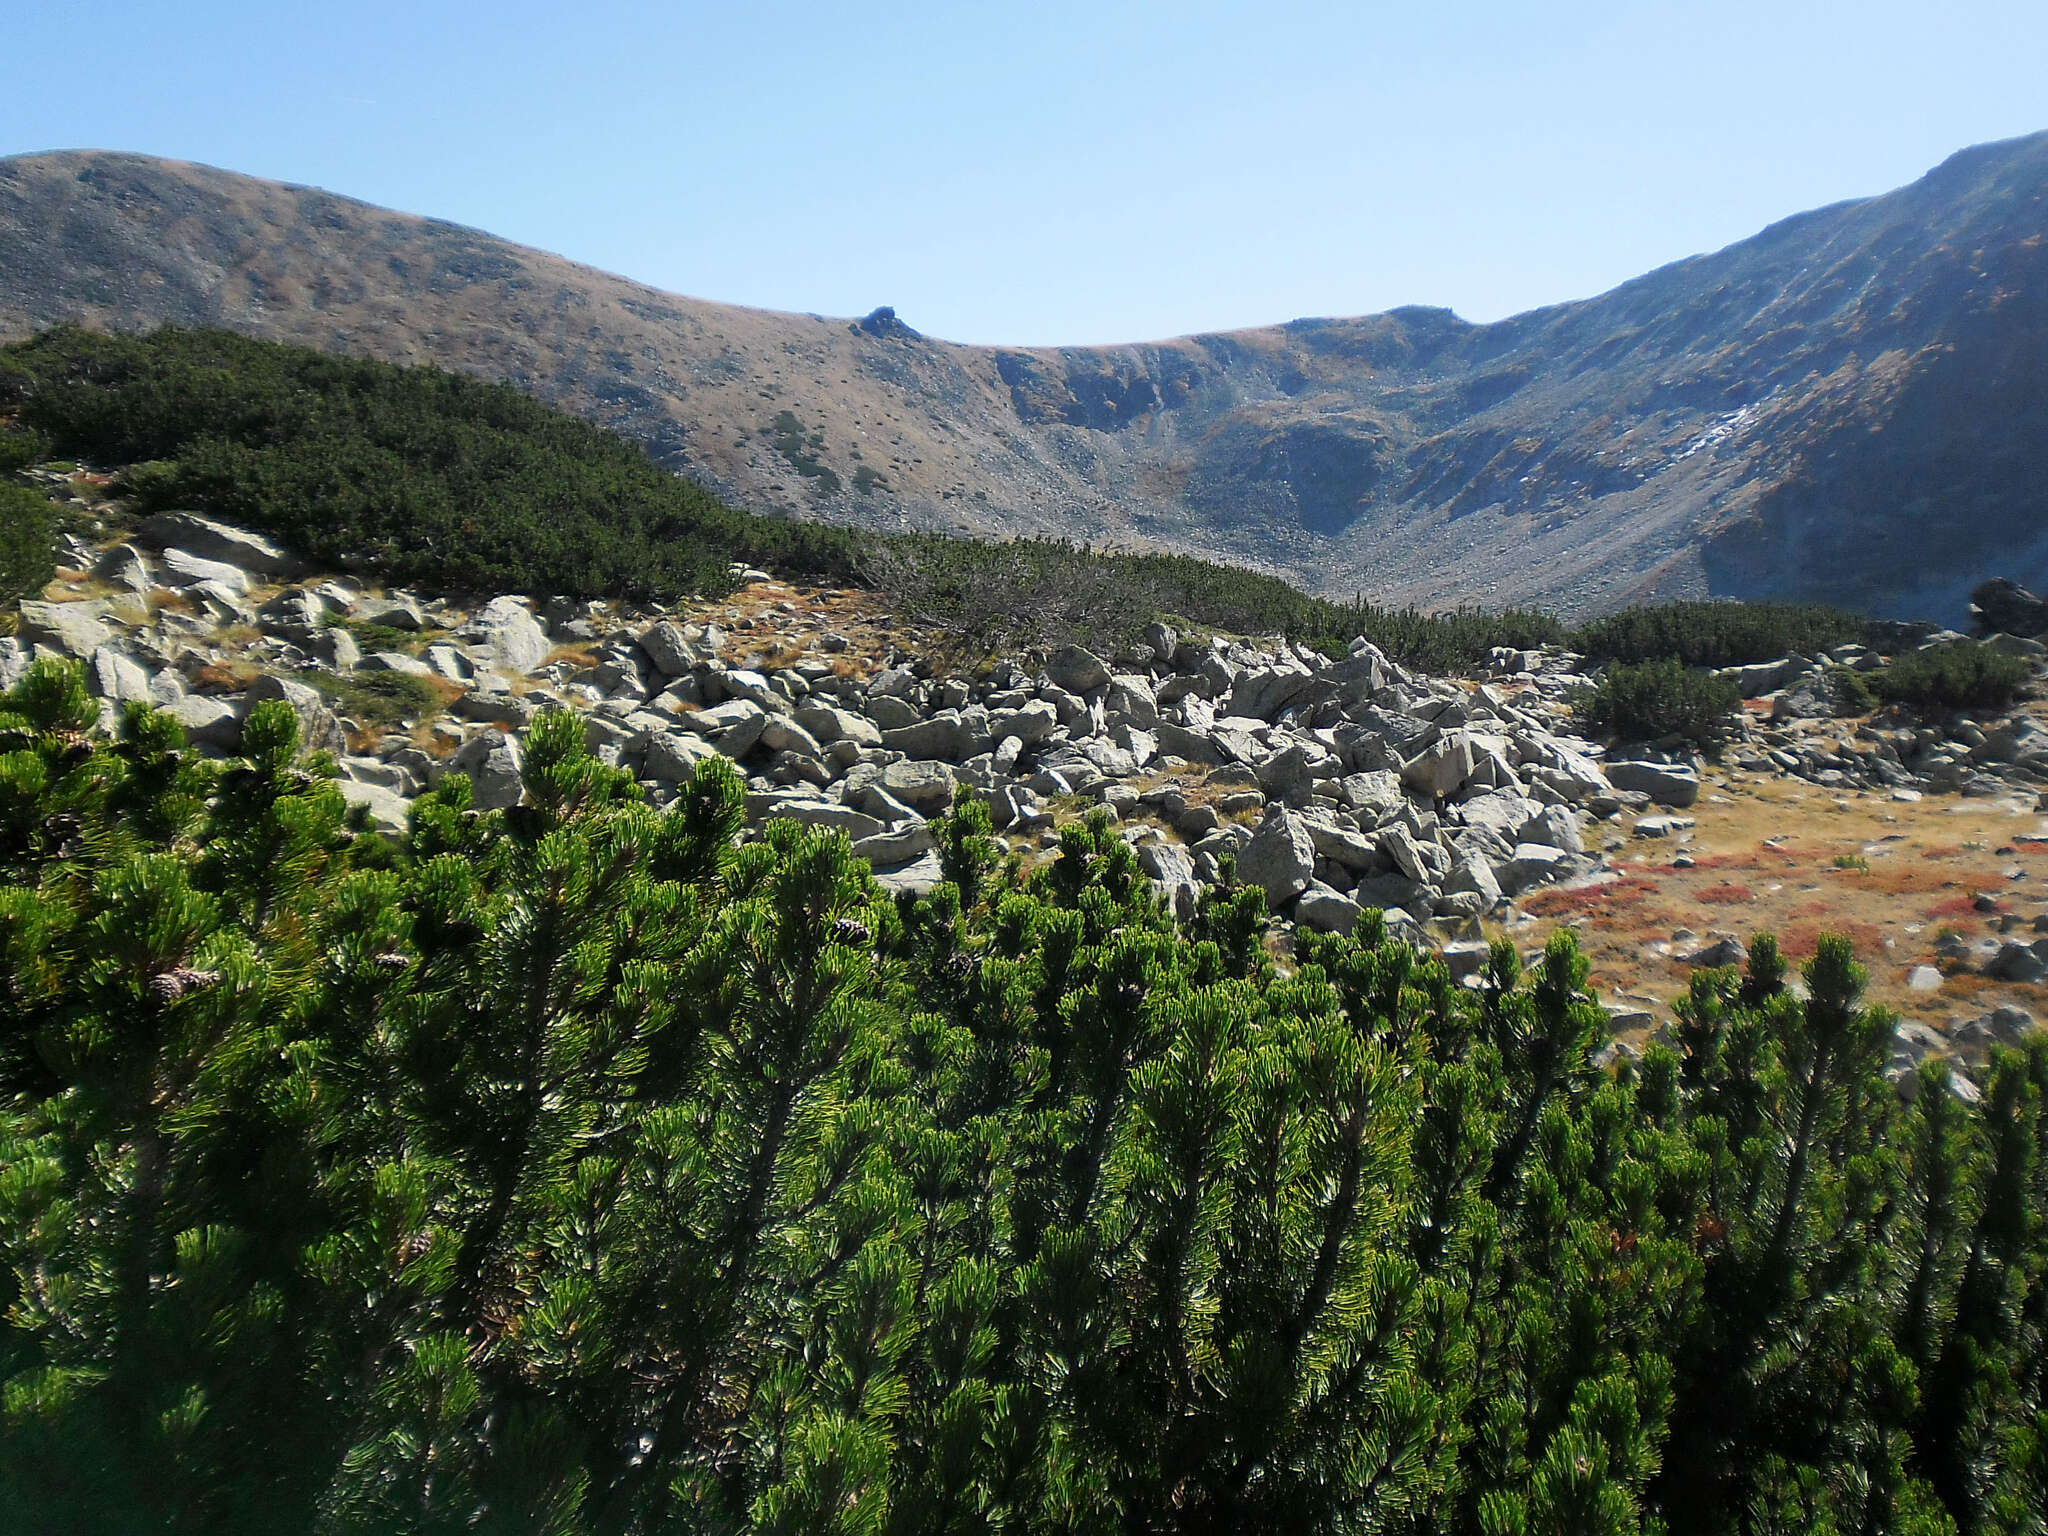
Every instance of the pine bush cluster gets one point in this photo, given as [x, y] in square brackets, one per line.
[1659, 701]
[27, 542]
[583, 1167]
[1962, 674]
[1719, 634]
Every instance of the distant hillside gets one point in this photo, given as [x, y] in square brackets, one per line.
[1851, 406]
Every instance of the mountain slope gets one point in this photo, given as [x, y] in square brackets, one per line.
[1852, 405]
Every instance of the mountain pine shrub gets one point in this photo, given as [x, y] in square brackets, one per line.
[1659, 700]
[1718, 634]
[1960, 674]
[582, 1168]
[1849, 691]
[27, 542]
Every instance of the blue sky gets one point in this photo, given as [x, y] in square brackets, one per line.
[1056, 172]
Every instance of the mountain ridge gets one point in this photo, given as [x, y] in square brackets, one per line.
[1778, 418]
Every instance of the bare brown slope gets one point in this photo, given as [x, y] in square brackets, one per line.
[1850, 405]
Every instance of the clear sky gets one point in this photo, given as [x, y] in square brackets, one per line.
[1044, 171]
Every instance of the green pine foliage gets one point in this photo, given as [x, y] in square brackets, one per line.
[1719, 634]
[584, 1168]
[1961, 674]
[429, 476]
[1658, 701]
[27, 542]
[422, 476]
[1849, 691]
[1043, 591]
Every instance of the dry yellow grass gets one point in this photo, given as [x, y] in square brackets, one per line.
[1764, 858]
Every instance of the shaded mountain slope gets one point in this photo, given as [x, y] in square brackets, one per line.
[1852, 405]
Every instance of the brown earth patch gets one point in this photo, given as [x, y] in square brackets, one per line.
[1769, 854]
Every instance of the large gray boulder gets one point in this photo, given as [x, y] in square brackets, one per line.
[395, 610]
[1262, 692]
[1501, 811]
[2002, 607]
[1030, 723]
[779, 733]
[828, 814]
[516, 639]
[1281, 857]
[118, 677]
[890, 713]
[1326, 909]
[1673, 784]
[213, 540]
[180, 568]
[1442, 768]
[208, 722]
[828, 724]
[1195, 746]
[1474, 873]
[1345, 845]
[1172, 869]
[1398, 845]
[76, 629]
[1285, 775]
[1557, 828]
[2019, 962]
[671, 757]
[919, 877]
[673, 650]
[319, 731]
[945, 737]
[1130, 698]
[1076, 669]
[1377, 794]
[492, 760]
[895, 846]
[387, 810]
[1534, 864]
[925, 787]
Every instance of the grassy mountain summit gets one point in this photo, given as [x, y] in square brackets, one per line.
[1787, 417]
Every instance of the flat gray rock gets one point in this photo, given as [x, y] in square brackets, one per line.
[1672, 784]
[76, 629]
[214, 540]
[180, 568]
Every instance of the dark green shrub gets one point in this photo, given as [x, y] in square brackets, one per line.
[19, 448]
[27, 542]
[378, 700]
[1962, 674]
[1848, 691]
[1719, 634]
[580, 1168]
[1030, 591]
[427, 476]
[1659, 699]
